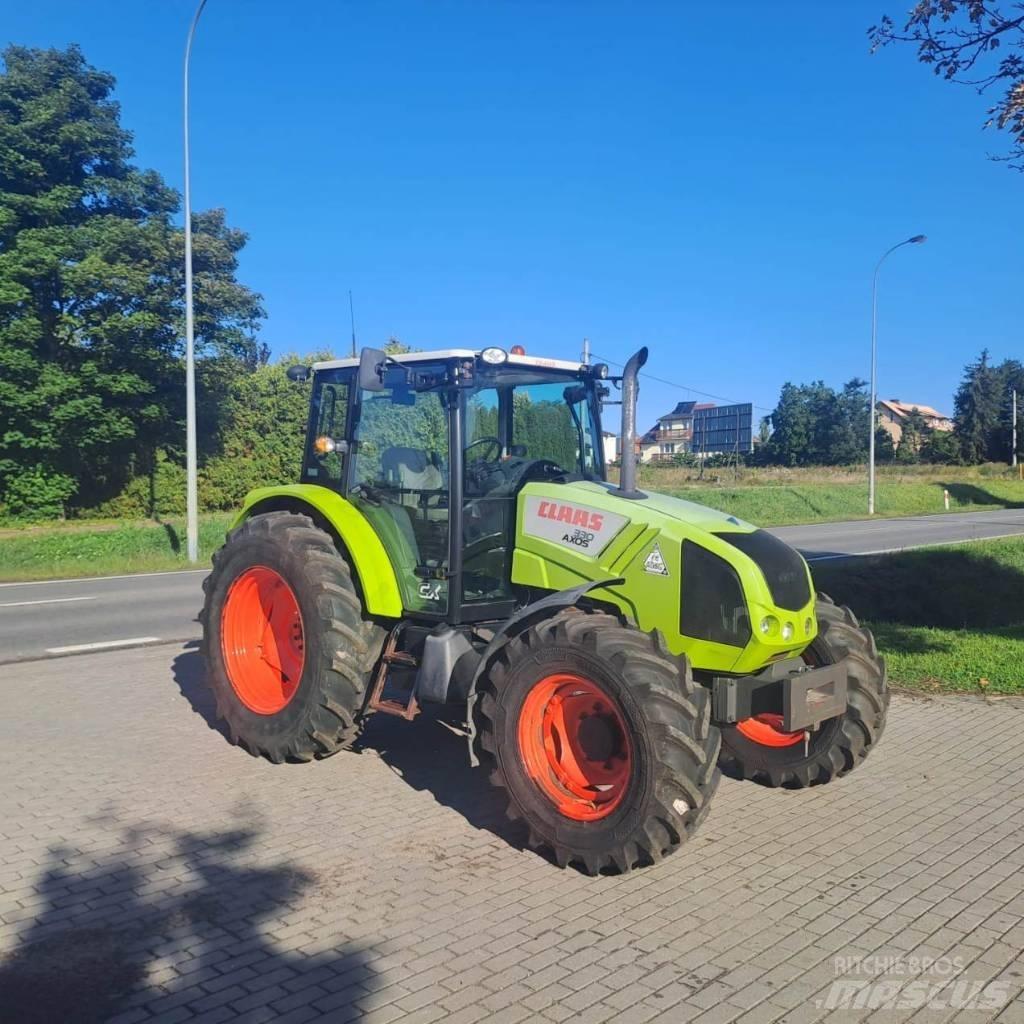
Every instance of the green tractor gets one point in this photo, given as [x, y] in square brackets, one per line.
[454, 539]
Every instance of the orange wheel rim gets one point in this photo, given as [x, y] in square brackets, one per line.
[575, 746]
[262, 640]
[767, 730]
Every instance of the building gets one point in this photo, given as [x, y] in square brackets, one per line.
[647, 447]
[673, 433]
[702, 428]
[893, 414]
[723, 429]
[610, 446]
[675, 429]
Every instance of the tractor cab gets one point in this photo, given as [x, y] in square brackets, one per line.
[433, 449]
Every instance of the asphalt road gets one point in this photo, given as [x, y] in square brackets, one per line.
[63, 617]
[39, 620]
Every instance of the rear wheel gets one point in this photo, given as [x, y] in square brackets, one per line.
[288, 650]
[601, 739]
[759, 749]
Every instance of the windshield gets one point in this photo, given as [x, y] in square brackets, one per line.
[549, 421]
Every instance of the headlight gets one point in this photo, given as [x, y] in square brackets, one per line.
[787, 631]
[494, 356]
[808, 626]
[769, 625]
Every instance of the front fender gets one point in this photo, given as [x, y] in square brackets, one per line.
[369, 558]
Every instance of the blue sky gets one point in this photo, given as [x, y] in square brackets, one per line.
[714, 181]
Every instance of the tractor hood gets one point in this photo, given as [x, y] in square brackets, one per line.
[682, 511]
[730, 596]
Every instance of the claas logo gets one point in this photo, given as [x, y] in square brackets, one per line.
[573, 516]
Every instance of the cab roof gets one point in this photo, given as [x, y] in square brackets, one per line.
[460, 353]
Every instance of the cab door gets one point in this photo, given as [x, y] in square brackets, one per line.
[399, 479]
[488, 509]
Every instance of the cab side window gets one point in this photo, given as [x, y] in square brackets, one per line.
[325, 458]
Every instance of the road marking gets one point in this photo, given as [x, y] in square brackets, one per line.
[49, 600]
[100, 579]
[101, 645]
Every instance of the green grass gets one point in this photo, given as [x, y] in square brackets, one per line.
[949, 618]
[971, 660]
[782, 504]
[103, 550]
[777, 496]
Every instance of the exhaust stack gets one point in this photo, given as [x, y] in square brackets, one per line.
[630, 387]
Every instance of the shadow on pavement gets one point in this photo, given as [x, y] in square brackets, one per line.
[157, 924]
[188, 670]
[430, 753]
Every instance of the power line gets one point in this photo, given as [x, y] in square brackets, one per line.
[686, 387]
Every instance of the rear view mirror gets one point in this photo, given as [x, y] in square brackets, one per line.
[298, 373]
[371, 369]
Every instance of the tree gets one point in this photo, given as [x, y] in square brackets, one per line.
[1010, 378]
[263, 433]
[914, 432]
[91, 291]
[940, 447]
[848, 424]
[885, 450]
[977, 406]
[974, 43]
[813, 425]
[793, 426]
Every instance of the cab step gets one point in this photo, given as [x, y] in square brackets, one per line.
[392, 657]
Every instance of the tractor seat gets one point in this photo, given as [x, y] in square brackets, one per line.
[416, 473]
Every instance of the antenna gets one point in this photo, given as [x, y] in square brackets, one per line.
[352, 317]
[586, 351]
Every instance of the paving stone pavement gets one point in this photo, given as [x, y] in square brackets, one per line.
[150, 871]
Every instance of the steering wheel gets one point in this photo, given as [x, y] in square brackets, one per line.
[494, 442]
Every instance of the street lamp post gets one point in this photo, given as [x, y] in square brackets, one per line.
[914, 240]
[191, 459]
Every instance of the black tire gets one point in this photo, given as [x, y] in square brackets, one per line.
[674, 745]
[840, 744]
[341, 644]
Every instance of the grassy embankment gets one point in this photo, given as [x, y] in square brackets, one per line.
[103, 548]
[777, 497]
[766, 497]
[949, 618]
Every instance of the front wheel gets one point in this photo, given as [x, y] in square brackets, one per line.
[601, 739]
[759, 749]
